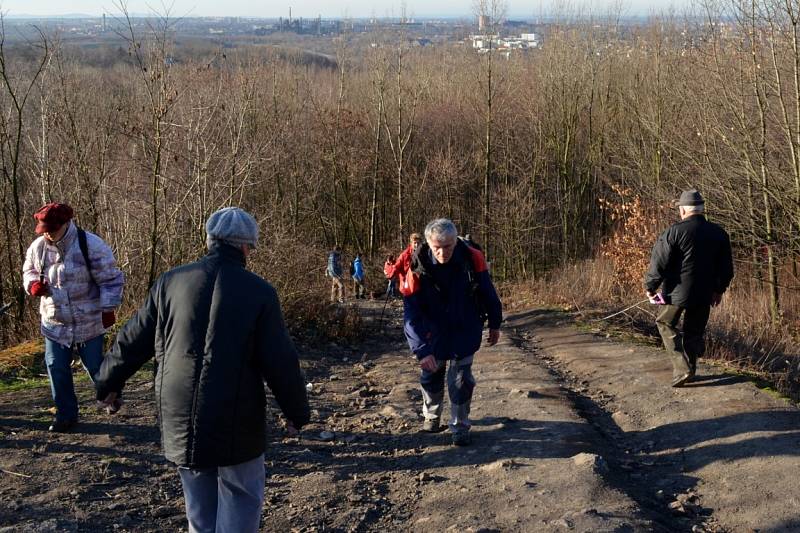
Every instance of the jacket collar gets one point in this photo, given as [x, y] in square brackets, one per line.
[423, 259]
[227, 252]
[66, 241]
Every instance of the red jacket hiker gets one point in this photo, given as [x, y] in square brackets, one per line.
[400, 269]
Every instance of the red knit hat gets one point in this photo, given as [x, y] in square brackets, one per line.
[52, 216]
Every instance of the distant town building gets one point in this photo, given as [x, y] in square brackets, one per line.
[484, 42]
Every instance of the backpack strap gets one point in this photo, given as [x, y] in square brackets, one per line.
[84, 246]
[473, 264]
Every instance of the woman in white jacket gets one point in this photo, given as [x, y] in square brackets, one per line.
[76, 276]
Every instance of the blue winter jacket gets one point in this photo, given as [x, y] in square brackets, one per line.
[445, 314]
[358, 269]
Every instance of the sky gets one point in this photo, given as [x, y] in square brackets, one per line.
[313, 8]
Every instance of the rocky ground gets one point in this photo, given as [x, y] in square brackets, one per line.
[572, 432]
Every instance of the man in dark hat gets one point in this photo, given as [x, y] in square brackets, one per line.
[692, 264]
[76, 277]
[217, 332]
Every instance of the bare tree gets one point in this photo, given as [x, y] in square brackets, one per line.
[17, 89]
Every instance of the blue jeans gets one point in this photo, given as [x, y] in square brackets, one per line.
[391, 289]
[58, 359]
[224, 498]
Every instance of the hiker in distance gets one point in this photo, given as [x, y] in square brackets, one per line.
[396, 270]
[334, 271]
[218, 334]
[75, 275]
[692, 264]
[391, 287]
[450, 298]
[357, 269]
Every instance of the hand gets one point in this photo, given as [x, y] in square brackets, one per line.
[40, 288]
[291, 431]
[429, 363]
[494, 336]
[656, 299]
[109, 317]
[716, 299]
[108, 401]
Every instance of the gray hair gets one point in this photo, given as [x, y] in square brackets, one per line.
[694, 209]
[441, 229]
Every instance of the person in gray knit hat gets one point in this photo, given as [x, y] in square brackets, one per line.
[217, 332]
[692, 265]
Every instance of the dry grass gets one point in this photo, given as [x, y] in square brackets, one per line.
[22, 359]
[583, 286]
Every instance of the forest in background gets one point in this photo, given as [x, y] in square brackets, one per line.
[562, 162]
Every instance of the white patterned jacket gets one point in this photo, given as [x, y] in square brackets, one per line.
[71, 314]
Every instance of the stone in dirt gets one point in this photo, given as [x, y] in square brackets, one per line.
[590, 459]
[497, 466]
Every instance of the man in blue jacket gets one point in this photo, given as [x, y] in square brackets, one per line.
[452, 297]
[358, 278]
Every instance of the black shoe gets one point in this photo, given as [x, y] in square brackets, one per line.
[62, 426]
[462, 438]
[678, 381]
[115, 406]
[432, 425]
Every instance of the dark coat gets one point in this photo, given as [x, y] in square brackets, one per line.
[691, 260]
[217, 334]
[445, 314]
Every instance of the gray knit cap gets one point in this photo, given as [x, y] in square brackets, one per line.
[233, 226]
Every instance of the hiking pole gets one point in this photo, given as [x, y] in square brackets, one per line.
[637, 304]
[385, 303]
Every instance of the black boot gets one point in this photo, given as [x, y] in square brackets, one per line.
[692, 366]
[681, 372]
[62, 426]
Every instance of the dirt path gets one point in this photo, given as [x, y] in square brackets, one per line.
[585, 452]
[719, 450]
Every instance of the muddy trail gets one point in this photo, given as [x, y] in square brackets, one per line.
[572, 432]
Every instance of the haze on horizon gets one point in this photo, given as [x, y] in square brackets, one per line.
[324, 8]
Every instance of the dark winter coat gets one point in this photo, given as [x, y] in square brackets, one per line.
[691, 260]
[217, 334]
[445, 314]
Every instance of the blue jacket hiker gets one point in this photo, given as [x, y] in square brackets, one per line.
[358, 277]
[452, 298]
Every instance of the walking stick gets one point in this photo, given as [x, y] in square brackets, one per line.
[385, 303]
[637, 304]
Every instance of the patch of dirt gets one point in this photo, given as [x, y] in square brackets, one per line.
[717, 454]
[571, 433]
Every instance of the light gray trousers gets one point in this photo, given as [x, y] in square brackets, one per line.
[460, 384]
